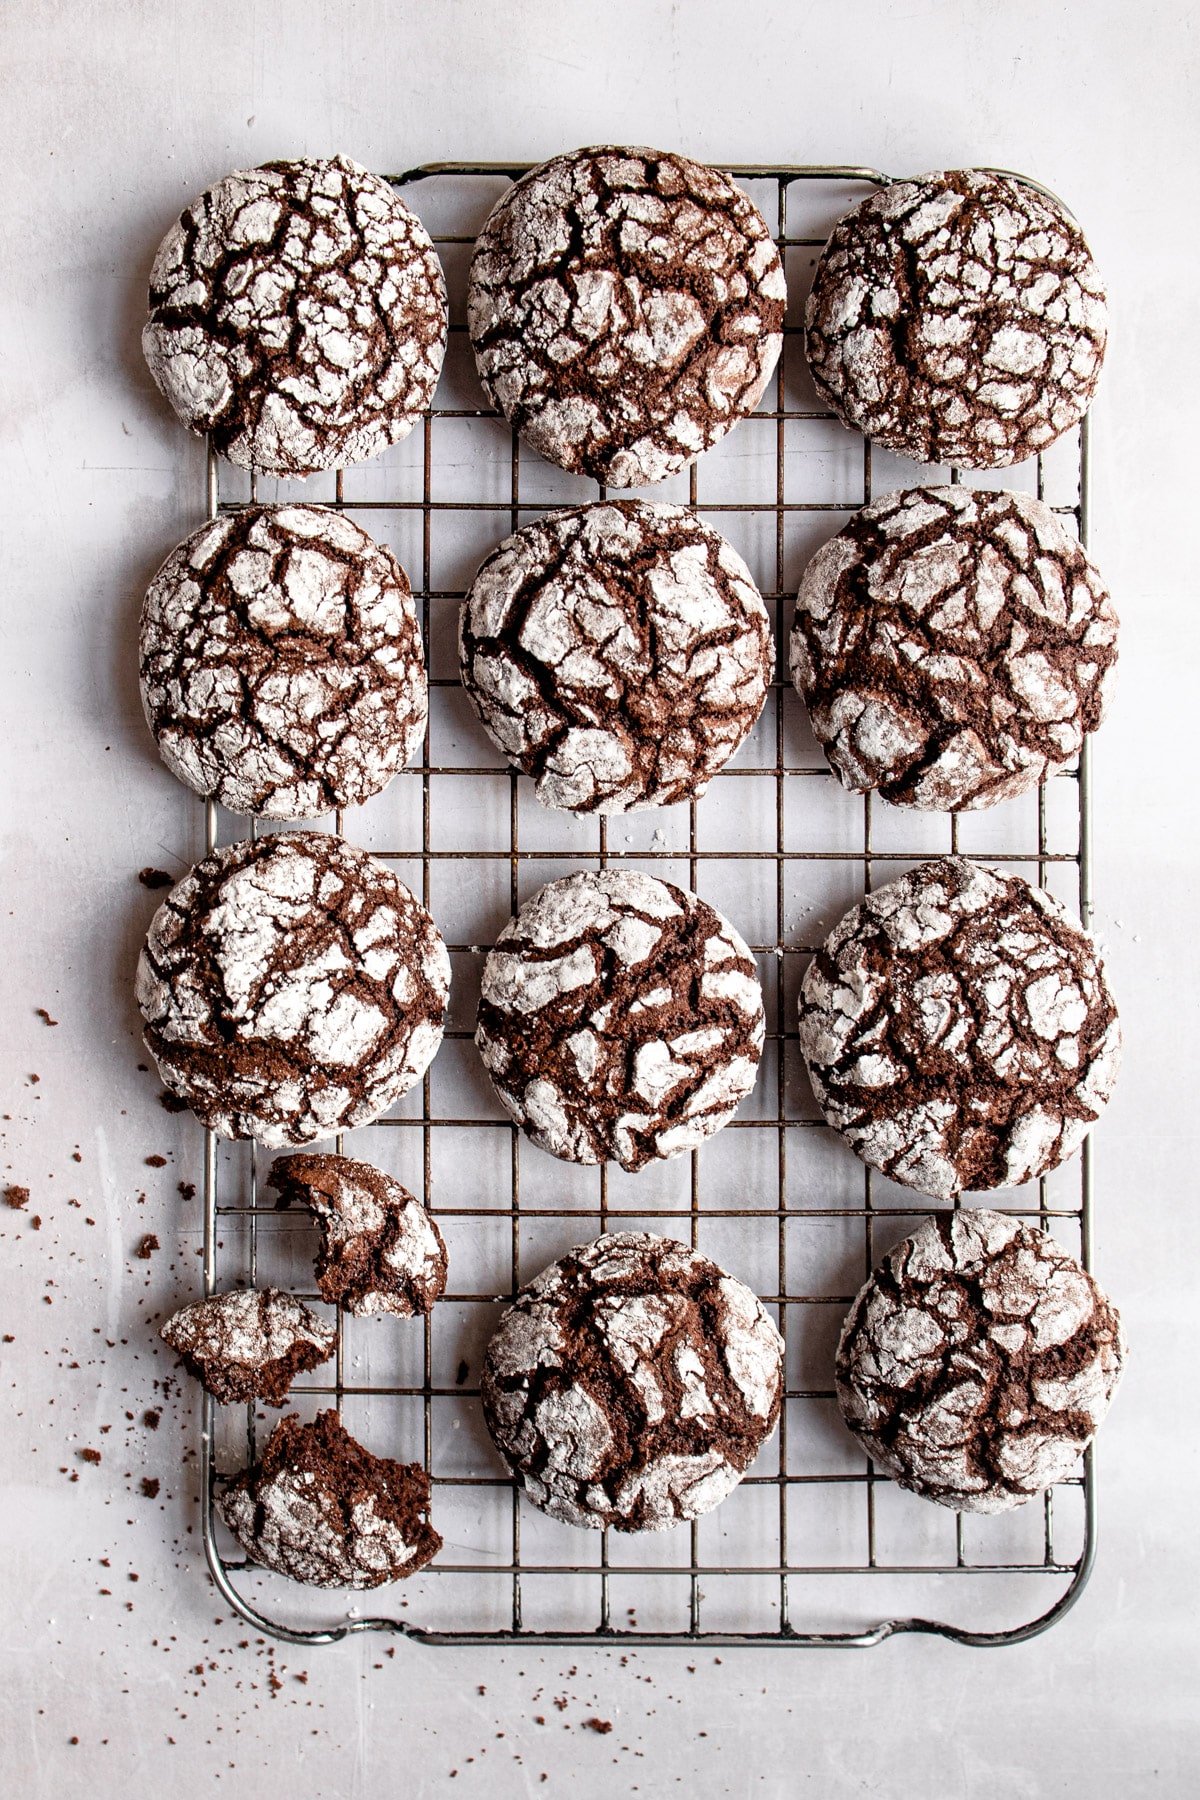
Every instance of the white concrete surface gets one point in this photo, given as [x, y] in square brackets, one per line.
[112, 115]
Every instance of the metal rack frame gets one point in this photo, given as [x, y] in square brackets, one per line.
[787, 1576]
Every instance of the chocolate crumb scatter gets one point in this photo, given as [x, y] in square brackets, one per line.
[380, 1251]
[978, 1361]
[324, 1511]
[958, 318]
[249, 1343]
[632, 1384]
[41, 1013]
[155, 878]
[618, 653]
[17, 1197]
[147, 1245]
[298, 315]
[626, 309]
[958, 1030]
[953, 647]
[150, 1486]
[156, 1162]
[620, 1018]
[89, 1456]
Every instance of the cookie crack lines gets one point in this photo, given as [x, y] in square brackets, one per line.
[958, 1030]
[281, 663]
[620, 1019]
[978, 1361]
[618, 653]
[632, 1384]
[953, 648]
[957, 318]
[298, 314]
[626, 308]
[292, 987]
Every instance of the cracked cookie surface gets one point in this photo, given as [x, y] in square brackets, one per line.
[958, 1030]
[978, 1361]
[321, 1509]
[632, 1384]
[952, 647]
[957, 318]
[282, 670]
[619, 654]
[249, 1343]
[626, 309]
[298, 315]
[380, 1252]
[291, 987]
[620, 1019]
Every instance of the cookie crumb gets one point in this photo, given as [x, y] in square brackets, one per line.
[155, 878]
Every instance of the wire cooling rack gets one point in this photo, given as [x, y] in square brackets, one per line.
[817, 1546]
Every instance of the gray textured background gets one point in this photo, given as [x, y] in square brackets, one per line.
[111, 118]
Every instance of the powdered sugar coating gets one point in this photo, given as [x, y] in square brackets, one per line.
[632, 1384]
[957, 318]
[620, 1019]
[626, 309]
[958, 1030]
[281, 662]
[298, 314]
[953, 647]
[324, 1511]
[291, 987]
[248, 1343]
[380, 1250]
[618, 653]
[978, 1361]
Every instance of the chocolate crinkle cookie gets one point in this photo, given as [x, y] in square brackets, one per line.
[291, 987]
[298, 315]
[953, 648]
[322, 1510]
[958, 1030]
[620, 1019]
[380, 1250]
[626, 308]
[957, 318]
[282, 671]
[250, 1343]
[978, 1361]
[632, 1384]
[619, 654]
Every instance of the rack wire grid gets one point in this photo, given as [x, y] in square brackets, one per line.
[816, 1546]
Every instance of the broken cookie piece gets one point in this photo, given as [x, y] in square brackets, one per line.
[380, 1250]
[250, 1343]
[321, 1509]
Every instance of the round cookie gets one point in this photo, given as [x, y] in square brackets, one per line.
[249, 1343]
[619, 654]
[957, 318]
[291, 988]
[978, 1361]
[632, 1384]
[626, 309]
[958, 1030]
[380, 1250]
[953, 648]
[620, 1019]
[322, 1510]
[298, 315]
[282, 671]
